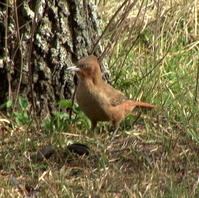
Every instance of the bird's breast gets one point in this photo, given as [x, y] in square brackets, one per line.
[91, 102]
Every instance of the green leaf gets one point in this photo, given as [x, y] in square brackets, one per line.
[23, 103]
[7, 104]
[131, 116]
[60, 115]
[65, 103]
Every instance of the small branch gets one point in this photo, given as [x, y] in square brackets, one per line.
[129, 39]
[156, 65]
[106, 28]
[119, 29]
[33, 101]
[73, 96]
[21, 54]
[6, 55]
[138, 116]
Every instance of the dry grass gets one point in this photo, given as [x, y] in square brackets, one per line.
[149, 160]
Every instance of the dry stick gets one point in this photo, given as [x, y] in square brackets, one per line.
[119, 26]
[6, 54]
[20, 77]
[136, 119]
[73, 96]
[156, 65]
[31, 72]
[115, 35]
[133, 43]
[156, 32]
[119, 73]
[106, 28]
[197, 80]
[156, 35]
[21, 27]
[18, 48]
[17, 21]
[136, 19]
[73, 101]
[6, 4]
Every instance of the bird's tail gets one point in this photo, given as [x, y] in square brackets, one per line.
[130, 105]
[142, 104]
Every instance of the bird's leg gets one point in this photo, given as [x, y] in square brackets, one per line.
[116, 125]
[93, 125]
[93, 128]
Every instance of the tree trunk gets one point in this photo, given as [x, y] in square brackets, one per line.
[38, 41]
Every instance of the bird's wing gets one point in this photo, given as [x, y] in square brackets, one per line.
[114, 96]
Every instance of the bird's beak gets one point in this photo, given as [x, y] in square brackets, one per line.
[74, 68]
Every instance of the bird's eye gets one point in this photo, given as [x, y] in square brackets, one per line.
[83, 66]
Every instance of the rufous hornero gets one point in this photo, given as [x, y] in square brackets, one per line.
[99, 100]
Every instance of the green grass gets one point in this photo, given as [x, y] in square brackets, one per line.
[156, 157]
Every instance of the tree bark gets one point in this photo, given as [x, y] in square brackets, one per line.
[39, 40]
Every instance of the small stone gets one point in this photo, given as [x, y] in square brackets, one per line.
[45, 152]
[79, 149]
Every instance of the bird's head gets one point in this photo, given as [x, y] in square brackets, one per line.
[87, 68]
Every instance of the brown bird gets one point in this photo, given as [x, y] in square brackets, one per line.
[97, 99]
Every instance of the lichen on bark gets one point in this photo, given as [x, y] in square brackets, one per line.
[64, 31]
